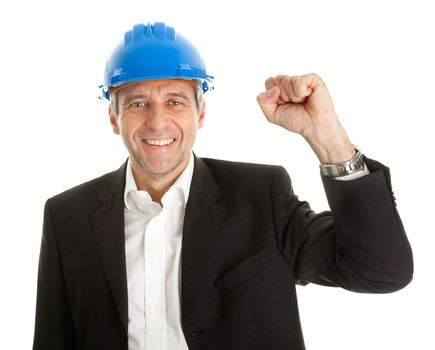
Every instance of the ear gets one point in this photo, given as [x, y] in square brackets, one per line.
[201, 115]
[113, 121]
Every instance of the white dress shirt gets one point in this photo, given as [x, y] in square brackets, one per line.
[153, 250]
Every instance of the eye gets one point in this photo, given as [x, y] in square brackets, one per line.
[138, 104]
[135, 106]
[175, 103]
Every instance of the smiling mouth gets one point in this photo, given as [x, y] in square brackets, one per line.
[161, 142]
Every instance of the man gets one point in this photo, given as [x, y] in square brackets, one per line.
[176, 252]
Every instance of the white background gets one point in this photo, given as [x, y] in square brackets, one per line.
[376, 58]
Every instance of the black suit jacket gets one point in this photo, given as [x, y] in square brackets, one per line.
[247, 240]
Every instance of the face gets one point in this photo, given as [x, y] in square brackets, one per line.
[158, 121]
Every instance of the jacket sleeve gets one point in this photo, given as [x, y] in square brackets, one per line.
[359, 245]
[54, 328]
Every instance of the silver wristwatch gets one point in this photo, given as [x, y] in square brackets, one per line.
[342, 169]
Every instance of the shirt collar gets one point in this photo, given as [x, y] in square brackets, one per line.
[182, 183]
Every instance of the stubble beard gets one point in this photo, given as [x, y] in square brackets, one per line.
[147, 168]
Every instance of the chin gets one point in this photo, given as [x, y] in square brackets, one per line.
[160, 169]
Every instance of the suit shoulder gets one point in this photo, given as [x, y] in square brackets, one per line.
[91, 189]
[242, 172]
[242, 183]
[218, 164]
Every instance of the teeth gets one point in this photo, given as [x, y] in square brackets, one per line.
[162, 142]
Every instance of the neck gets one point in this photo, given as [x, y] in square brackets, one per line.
[155, 185]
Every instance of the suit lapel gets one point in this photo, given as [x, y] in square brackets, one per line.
[202, 220]
[108, 225]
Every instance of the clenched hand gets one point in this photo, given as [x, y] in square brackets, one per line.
[302, 104]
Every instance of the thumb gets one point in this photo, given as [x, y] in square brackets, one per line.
[268, 101]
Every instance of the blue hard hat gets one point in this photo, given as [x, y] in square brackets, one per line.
[154, 52]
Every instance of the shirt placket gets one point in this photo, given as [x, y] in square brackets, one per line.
[155, 292]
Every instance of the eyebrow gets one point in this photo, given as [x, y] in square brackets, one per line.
[178, 94]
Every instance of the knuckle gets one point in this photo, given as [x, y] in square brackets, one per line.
[269, 82]
[287, 80]
[315, 77]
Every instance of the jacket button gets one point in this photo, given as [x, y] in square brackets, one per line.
[197, 333]
[123, 335]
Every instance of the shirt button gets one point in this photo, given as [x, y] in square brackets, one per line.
[154, 265]
[157, 311]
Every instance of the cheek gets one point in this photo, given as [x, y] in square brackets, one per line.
[128, 127]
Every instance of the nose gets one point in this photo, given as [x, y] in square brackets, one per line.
[156, 118]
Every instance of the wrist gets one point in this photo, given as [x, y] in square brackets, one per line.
[330, 143]
[344, 168]
[335, 155]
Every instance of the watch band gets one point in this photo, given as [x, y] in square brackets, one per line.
[342, 169]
